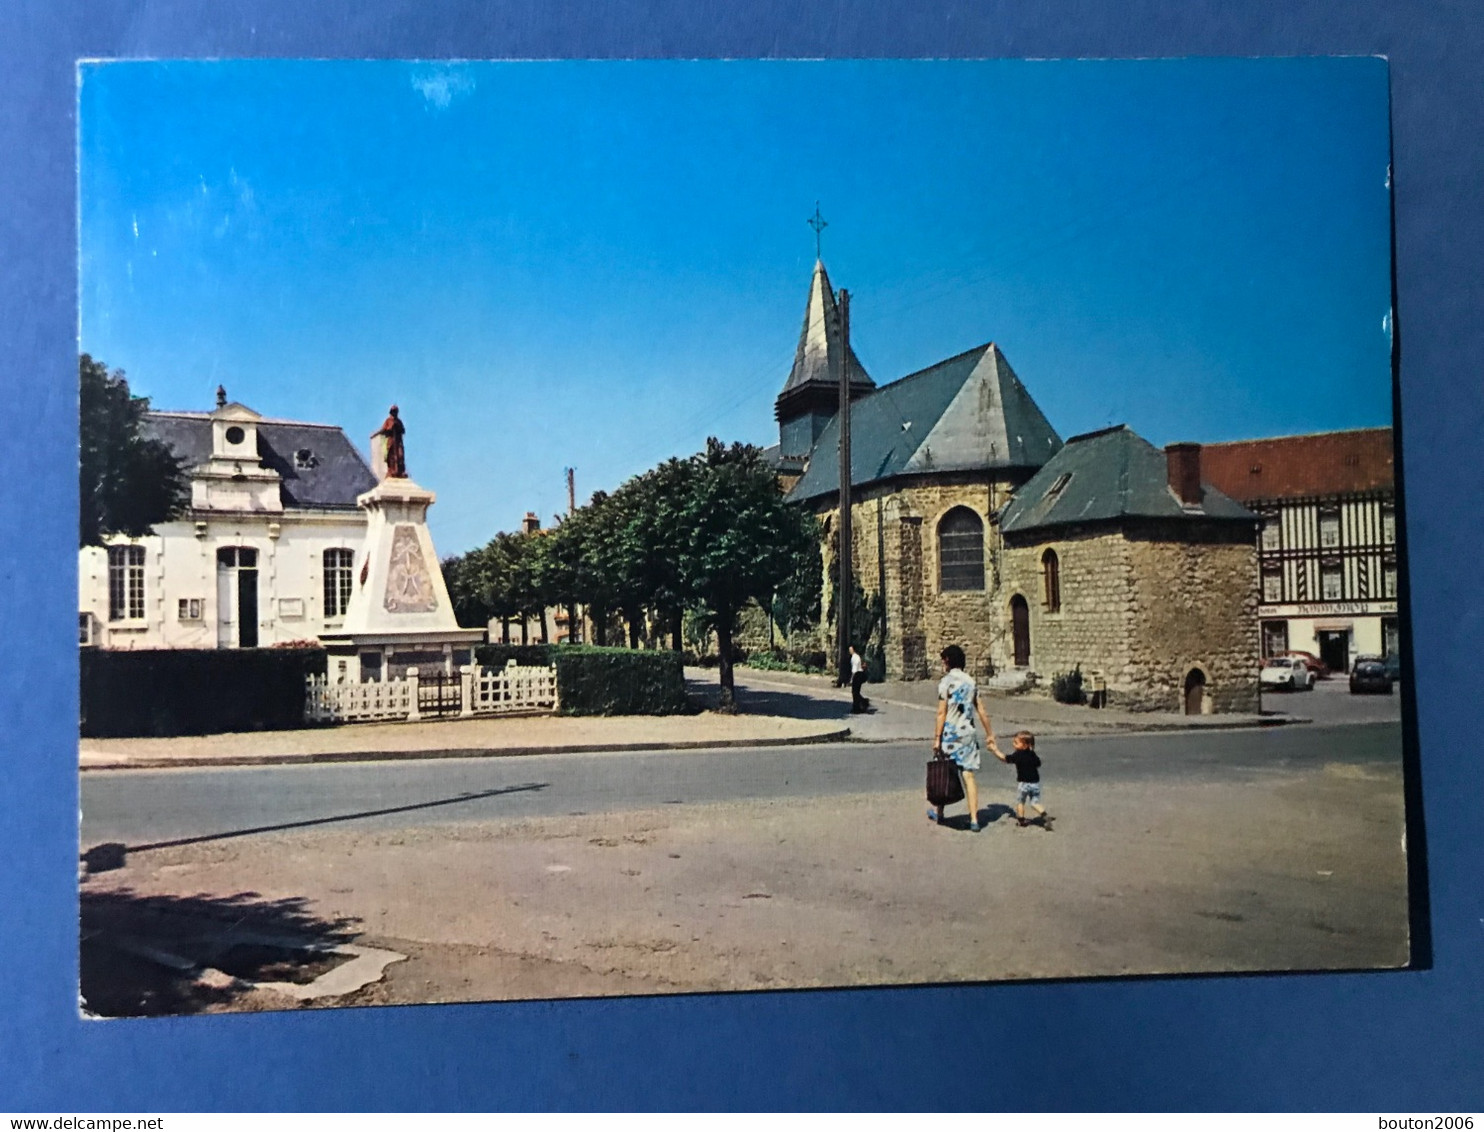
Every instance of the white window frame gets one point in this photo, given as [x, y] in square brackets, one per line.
[126, 583]
[339, 580]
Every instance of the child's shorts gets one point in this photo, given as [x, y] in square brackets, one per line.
[1030, 792]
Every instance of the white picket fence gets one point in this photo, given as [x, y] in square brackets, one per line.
[512, 690]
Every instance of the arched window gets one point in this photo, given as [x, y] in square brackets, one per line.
[961, 551]
[1051, 582]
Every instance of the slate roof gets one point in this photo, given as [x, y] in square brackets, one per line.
[789, 465]
[968, 413]
[1293, 467]
[1112, 474]
[337, 474]
[817, 358]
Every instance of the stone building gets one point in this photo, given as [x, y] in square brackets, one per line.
[1328, 547]
[1120, 561]
[955, 493]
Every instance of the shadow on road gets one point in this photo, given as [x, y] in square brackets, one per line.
[142, 956]
[771, 701]
[988, 815]
[111, 855]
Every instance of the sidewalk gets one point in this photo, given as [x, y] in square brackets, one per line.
[904, 710]
[777, 709]
[459, 738]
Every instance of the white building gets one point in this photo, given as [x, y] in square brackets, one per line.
[265, 553]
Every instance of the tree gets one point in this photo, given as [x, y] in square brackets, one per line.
[740, 540]
[574, 564]
[127, 481]
[797, 599]
[465, 592]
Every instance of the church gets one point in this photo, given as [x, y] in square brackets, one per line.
[974, 523]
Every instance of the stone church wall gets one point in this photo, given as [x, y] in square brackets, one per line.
[1196, 607]
[1142, 609]
[1095, 624]
[1139, 610]
[894, 532]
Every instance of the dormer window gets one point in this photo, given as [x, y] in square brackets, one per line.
[305, 459]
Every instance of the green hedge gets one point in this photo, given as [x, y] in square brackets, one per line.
[608, 681]
[498, 656]
[163, 692]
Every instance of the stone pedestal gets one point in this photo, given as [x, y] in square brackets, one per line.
[399, 614]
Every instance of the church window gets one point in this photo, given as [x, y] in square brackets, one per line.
[337, 581]
[1331, 582]
[961, 551]
[125, 583]
[1051, 581]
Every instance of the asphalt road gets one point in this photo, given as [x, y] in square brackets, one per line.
[145, 809]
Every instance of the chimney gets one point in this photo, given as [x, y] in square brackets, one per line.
[1183, 463]
[530, 524]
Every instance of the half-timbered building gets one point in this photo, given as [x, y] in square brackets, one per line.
[1327, 548]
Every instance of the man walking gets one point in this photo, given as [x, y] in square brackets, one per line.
[858, 702]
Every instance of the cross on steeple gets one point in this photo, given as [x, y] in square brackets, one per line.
[819, 224]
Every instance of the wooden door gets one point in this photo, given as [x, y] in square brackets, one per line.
[1020, 624]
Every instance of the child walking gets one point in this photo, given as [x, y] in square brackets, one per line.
[1027, 766]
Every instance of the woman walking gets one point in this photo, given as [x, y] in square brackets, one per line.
[954, 736]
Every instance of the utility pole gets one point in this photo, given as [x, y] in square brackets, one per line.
[842, 596]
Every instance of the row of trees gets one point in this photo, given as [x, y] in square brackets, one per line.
[691, 540]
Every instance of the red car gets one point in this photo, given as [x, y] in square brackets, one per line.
[1311, 662]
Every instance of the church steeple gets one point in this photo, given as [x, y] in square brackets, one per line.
[811, 395]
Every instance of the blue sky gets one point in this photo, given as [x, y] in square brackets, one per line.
[599, 264]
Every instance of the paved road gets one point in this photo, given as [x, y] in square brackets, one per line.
[147, 808]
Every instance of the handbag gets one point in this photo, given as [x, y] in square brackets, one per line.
[944, 785]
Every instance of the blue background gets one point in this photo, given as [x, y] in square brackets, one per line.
[1386, 1041]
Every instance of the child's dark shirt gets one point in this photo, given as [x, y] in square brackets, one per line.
[1025, 764]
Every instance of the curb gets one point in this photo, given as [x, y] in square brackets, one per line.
[458, 753]
[1130, 727]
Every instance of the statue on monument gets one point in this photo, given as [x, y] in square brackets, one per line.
[388, 456]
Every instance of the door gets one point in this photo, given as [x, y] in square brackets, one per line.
[1391, 637]
[1195, 692]
[1334, 649]
[1020, 627]
[236, 597]
[247, 606]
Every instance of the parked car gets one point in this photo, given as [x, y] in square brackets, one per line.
[1311, 662]
[1393, 663]
[1286, 672]
[1369, 674]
